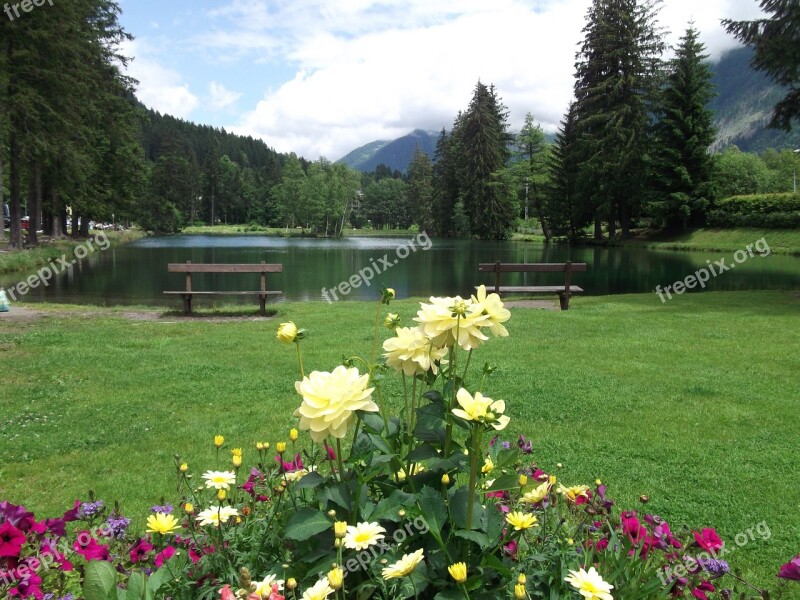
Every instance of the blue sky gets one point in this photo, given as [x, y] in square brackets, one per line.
[322, 78]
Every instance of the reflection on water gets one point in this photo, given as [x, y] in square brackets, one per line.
[137, 273]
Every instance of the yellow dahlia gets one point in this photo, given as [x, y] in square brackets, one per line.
[412, 352]
[404, 566]
[590, 585]
[363, 535]
[161, 523]
[482, 409]
[493, 309]
[442, 321]
[330, 401]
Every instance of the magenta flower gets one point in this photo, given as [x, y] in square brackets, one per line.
[708, 540]
[139, 551]
[28, 587]
[18, 516]
[11, 540]
[164, 555]
[88, 547]
[791, 570]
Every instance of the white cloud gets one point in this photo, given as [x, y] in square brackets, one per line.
[220, 97]
[377, 69]
[160, 88]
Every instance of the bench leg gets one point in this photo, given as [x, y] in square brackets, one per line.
[262, 304]
[187, 304]
[564, 299]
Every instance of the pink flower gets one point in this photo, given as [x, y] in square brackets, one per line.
[11, 540]
[791, 570]
[88, 547]
[708, 540]
[164, 555]
[27, 587]
[510, 549]
[274, 595]
[139, 551]
[226, 593]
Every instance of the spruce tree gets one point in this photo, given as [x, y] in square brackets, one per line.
[682, 165]
[617, 74]
[420, 190]
[565, 210]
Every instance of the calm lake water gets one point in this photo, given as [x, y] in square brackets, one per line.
[137, 273]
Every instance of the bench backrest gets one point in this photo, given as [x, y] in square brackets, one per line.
[497, 267]
[189, 267]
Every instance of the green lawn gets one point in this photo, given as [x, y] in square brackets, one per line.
[692, 403]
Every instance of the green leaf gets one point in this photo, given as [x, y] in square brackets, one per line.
[433, 508]
[379, 443]
[430, 425]
[388, 507]
[100, 581]
[373, 422]
[311, 480]
[504, 482]
[475, 536]
[137, 589]
[305, 523]
[458, 508]
[451, 594]
[421, 453]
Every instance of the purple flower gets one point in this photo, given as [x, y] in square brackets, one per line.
[791, 570]
[716, 568]
[525, 446]
[166, 509]
[89, 509]
[117, 524]
[506, 445]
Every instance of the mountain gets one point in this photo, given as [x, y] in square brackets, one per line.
[743, 106]
[395, 154]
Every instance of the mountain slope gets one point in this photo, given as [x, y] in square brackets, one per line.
[395, 154]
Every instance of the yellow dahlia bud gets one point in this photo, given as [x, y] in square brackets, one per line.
[220, 495]
[218, 441]
[287, 332]
[280, 447]
[237, 460]
[460, 308]
[391, 321]
[458, 571]
[189, 508]
[184, 468]
[523, 480]
[259, 446]
[336, 578]
[291, 583]
[521, 578]
[519, 592]
[445, 479]
[340, 529]
[293, 434]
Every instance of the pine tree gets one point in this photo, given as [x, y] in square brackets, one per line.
[617, 74]
[445, 186]
[531, 151]
[420, 190]
[682, 165]
[777, 53]
[565, 211]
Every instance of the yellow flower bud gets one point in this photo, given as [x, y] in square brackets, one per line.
[237, 460]
[331, 513]
[460, 308]
[488, 466]
[340, 529]
[220, 495]
[189, 508]
[280, 447]
[519, 592]
[387, 295]
[287, 332]
[236, 451]
[401, 513]
[570, 542]
[445, 479]
[293, 434]
[523, 480]
[391, 321]
[337, 543]
[184, 468]
[521, 578]
[336, 578]
[559, 466]
[218, 441]
[266, 445]
[458, 571]
[259, 446]
[291, 583]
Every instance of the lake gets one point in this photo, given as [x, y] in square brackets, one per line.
[137, 273]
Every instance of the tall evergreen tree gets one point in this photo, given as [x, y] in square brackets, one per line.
[777, 53]
[617, 74]
[482, 136]
[565, 211]
[445, 186]
[420, 190]
[682, 165]
[531, 151]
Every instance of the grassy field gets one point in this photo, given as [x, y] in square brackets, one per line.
[692, 403]
[30, 258]
[781, 241]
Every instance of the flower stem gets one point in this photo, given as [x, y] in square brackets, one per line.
[375, 336]
[339, 458]
[300, 360]
[473, 472]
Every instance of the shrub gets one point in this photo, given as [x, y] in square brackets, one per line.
[779, 211]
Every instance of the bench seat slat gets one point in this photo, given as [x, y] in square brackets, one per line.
[536, 289]
[230, 268]
[529, 267]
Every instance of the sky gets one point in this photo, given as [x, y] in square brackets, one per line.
[323, 78]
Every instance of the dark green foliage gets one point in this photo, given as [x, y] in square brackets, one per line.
[682, 165]
[779, 211]
[385, 204]
[737, 173]
[445, 186]
[617, 74]
[567, 213]
[777, 53]
[420, 190]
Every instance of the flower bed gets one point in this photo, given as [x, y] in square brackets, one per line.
[431, 502]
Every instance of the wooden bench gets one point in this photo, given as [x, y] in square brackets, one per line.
[189, 267]
[564, 291]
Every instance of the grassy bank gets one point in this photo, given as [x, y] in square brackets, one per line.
[780, 241]
[49, 250]
[283, 232]
[692, 402]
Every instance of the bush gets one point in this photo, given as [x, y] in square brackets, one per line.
[778, 211]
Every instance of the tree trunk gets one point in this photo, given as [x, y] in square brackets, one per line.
[57, 229]
[598, 226]
[537, 203]
[2, 201]
[15, 237]
[35, 204]
[75, 226]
